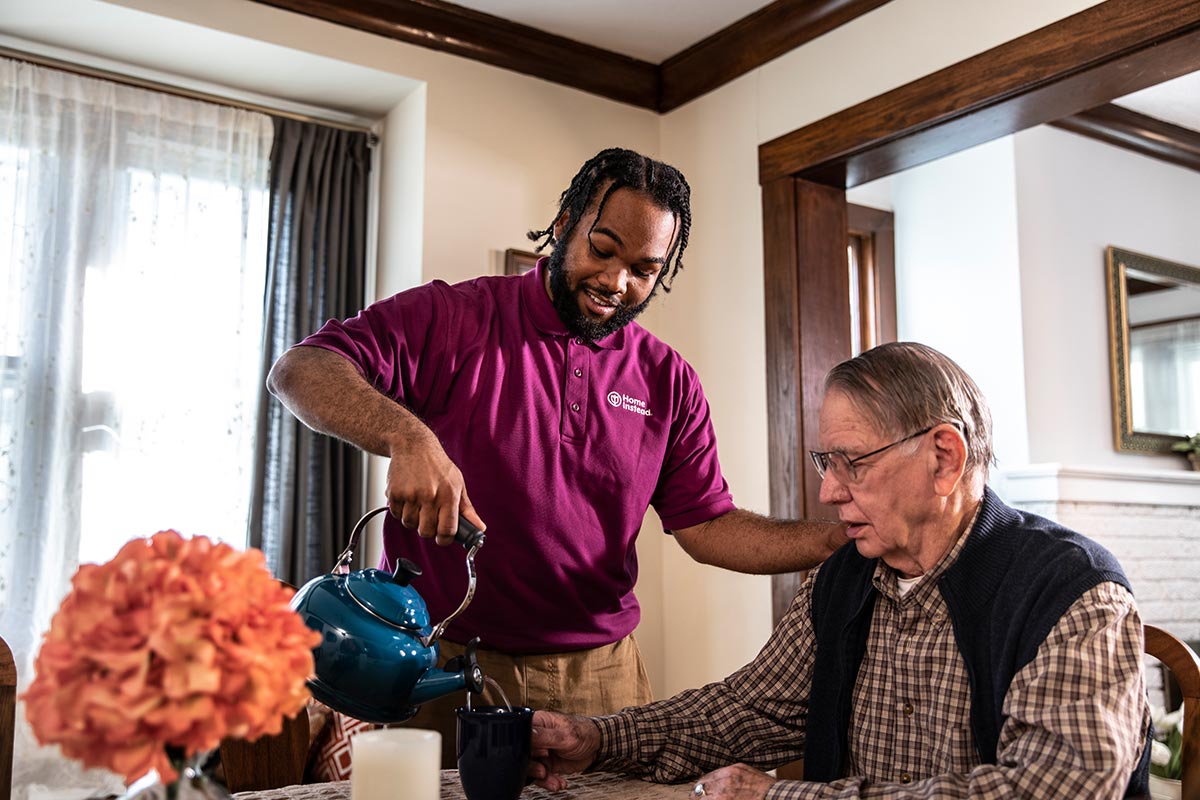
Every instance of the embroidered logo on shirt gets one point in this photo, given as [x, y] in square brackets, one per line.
[624, 401]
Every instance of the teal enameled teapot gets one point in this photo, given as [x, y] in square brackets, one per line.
[377, 660]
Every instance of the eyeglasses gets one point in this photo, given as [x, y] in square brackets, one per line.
[843, 467]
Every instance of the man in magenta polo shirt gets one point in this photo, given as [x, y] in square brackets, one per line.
[536, 408]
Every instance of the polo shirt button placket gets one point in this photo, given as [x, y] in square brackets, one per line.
[575, 388]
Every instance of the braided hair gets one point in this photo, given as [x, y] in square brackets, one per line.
[664, 184]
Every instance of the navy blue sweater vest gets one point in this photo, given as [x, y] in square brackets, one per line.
[1015, 577]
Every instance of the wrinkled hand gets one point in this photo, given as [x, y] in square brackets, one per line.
[737, 782]
[562, 745]
[425, 490]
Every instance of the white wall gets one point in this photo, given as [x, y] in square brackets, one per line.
[1075, 196]
[499, 147]
[958, 278]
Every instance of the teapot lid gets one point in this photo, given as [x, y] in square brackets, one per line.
[396, 604]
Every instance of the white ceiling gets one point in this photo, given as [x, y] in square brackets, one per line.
[652, 30]
[1176, 101]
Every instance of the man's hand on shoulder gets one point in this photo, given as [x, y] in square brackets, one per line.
[744, 541]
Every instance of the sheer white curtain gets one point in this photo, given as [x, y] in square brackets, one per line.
[132, 257]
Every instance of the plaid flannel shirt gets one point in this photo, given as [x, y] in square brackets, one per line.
[1075, 718]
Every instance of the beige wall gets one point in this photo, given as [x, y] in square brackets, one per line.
[498, 148]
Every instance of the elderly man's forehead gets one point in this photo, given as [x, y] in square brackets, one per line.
[862, 413]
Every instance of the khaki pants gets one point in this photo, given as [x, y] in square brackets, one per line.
[591, 682]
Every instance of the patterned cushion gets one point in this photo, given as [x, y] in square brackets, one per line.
[329, 758]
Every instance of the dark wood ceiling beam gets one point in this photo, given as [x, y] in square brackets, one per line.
[1127, 48]
[748, 43]
[751, 42]
[492, 40]
[1123, 127]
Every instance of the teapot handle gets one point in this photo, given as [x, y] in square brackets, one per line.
[467, 535]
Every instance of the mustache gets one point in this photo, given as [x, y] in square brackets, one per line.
[613, 298]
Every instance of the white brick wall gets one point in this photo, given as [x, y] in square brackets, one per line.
[1158, 547]
[1149, 521]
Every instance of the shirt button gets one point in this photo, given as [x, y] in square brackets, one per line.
[578, 340]
[905, 777]
[908, 709]
[574, 406]
[578, 372]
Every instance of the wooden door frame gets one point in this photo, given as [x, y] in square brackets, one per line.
[1089, 58]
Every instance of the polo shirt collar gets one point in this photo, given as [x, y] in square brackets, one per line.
[542, 313]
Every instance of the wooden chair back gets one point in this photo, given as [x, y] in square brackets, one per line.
[1185, 666]
[8, 717]
[270, 762]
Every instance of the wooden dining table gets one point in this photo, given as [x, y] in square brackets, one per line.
[593, 786]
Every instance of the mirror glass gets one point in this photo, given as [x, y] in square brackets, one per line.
[1154, 315]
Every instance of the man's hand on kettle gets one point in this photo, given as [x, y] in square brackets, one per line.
[562, 744]
[426, 491]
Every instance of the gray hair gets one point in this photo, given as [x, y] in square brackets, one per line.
[905, 386]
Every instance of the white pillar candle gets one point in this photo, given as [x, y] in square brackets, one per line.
[396, 762]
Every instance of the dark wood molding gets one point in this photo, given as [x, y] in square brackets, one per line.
[1122, 127]
[492, 40]
[807, 332]
[751, 42]
[1083, 61]
[1103, 52]
[746, 44]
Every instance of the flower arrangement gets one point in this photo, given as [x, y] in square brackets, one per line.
[165, 650]
[1166, 751]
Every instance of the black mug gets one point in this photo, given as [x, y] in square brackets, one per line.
[493, 751]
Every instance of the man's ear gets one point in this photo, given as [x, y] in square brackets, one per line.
[950, 454]
[560, 225]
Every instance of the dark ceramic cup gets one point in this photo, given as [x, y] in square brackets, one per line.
[493, 751]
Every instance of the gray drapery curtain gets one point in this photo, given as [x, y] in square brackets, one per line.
[308, 488]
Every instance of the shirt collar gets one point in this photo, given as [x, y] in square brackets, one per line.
[544, 316]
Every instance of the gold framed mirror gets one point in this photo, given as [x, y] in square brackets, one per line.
[1154, 346]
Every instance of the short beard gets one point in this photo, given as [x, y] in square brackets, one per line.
[566, 303]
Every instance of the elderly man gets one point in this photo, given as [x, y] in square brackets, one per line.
[957, 648]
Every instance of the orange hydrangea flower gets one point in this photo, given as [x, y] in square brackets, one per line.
[174, 643]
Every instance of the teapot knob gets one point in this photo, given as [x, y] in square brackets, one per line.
[405, 572]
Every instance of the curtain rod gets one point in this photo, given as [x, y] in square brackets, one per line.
[179, 91]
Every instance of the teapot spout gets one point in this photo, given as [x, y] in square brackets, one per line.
[459, 673]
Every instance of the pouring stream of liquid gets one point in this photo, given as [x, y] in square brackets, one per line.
[492, 684]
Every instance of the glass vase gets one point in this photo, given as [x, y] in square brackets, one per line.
[195, 782]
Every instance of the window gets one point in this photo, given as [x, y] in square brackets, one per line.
[133, 231]
[871, 256]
